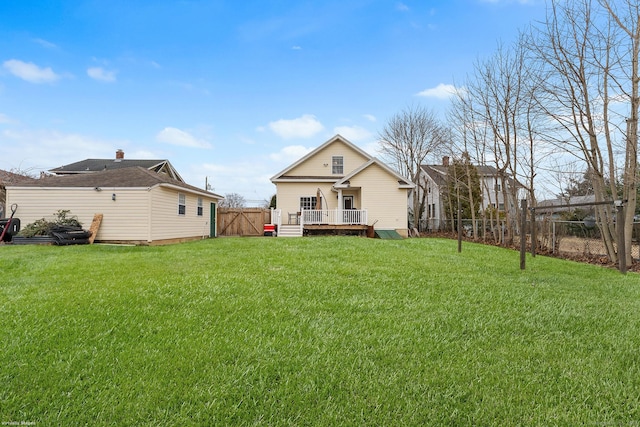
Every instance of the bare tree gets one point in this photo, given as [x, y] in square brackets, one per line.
[499, 115]
[626, 51]
[406, 141]
[233, 200]
[588, 66]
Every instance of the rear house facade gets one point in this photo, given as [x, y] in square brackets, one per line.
[138, 205]
[340, 186]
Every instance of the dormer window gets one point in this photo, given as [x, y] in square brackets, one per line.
[337, 165]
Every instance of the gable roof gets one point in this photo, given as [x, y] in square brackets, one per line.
[562, 204]
[97, 165]
[128, 177]
[402, 182]
[337, 138]
[438, 173]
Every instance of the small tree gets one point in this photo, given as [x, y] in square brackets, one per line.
[233, 200]
[406, 141]
[463, 185]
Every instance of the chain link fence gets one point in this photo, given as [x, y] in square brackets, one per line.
[574, 238]
[578, 238]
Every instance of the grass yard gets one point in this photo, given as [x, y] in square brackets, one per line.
[314, 331]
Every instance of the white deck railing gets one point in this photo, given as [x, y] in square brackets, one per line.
[333, 216]
[276, 217]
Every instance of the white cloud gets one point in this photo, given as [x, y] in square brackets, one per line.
[30, 72]
[402, 7]
[296, 48]
[370, 117]
[353, 133]
[174, 136]
[43, 149]
[100, 74]
[6, 120]
[290, 154]
[442, 91]
[45, 43]
[302, 127]
[248, 178]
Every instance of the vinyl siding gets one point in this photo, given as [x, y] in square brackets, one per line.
[166, 223]
[381, 197]
[315, 165]
[289, 194]
[126, 218]
[137, 214]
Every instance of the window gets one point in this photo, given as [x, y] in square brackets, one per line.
[498, 186]
[182, 204]
[308, 202]
[199, 206]
[337, 165]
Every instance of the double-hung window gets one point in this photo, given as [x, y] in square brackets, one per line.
[337, 165]
[182, 204]
[200, 209]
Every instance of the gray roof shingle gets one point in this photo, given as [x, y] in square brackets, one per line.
[130, 177]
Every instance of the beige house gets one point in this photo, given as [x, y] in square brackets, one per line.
[340, 188]
[138, 205]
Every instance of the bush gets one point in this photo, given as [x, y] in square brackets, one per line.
[42, 227]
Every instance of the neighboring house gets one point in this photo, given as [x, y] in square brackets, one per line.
[9, 178]
[556, 208]
[138, 205]
[97, 165]
[340, 188]
[433, 179]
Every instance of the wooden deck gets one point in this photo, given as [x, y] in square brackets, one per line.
[335, 229]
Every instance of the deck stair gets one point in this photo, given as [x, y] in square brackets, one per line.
[289, 230]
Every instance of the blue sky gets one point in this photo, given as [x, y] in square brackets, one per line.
[229, 91]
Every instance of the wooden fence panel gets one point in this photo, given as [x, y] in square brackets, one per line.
[242, 221]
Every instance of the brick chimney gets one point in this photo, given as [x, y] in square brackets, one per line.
[445, 161]
[119, 154]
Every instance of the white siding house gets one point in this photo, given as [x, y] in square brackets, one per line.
[433, 180]
[138, 205]
[339, 186]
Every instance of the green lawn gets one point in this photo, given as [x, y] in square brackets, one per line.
[314, 331]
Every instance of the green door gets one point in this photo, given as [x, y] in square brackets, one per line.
[212, 229]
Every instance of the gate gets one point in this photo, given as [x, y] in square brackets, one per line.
[242, 221]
